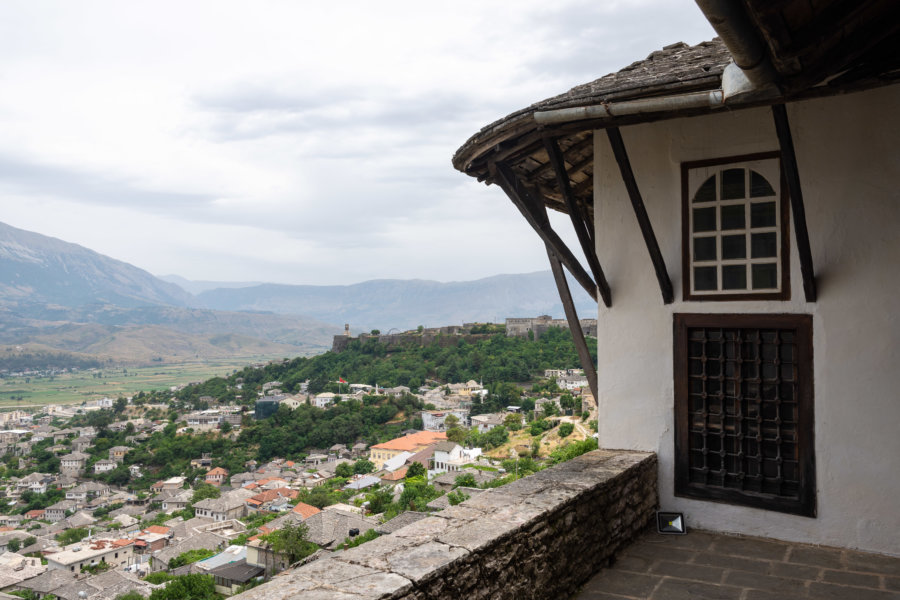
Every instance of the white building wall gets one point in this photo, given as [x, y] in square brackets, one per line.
[847, 150]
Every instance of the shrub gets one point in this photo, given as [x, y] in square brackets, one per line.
[565, 430]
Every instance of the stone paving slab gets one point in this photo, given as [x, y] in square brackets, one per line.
[708, 566]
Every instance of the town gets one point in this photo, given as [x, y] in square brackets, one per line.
[166, 491]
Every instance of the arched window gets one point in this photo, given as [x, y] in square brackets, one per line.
[735, 243]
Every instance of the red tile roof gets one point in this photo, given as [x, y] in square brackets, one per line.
[305, 510]
[413, 442]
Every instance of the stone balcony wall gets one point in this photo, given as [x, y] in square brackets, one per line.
[542, 536]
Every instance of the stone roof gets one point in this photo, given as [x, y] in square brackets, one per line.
[238, 571]
[222, 504]
[677, 68]
[447, 446]
[332, 526]
[444, 502]
[402, 520]
[202, 540]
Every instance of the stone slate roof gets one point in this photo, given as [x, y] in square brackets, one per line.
[402, 520]
[677, 68]
[444, 502]
[332, 526]
[238, 571]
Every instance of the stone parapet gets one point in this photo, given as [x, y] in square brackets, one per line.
[542, 536]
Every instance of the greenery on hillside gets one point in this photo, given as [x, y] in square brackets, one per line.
[498, 359]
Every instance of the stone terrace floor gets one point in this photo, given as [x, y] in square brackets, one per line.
[702, 565]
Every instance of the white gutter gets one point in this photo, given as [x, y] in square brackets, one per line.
[711, 99]
[736, 88]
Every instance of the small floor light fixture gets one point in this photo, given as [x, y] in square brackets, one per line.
[670, 523]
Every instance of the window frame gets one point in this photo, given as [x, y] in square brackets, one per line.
[805, 504]
[686, 234]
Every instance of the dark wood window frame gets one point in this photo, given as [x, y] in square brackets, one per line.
[686, 234]
[804, 503]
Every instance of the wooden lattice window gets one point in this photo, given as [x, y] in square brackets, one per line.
[735, 235]
[744, 410]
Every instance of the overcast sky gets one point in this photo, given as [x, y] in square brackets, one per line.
[291, 142]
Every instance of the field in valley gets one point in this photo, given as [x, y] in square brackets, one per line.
[75, 388]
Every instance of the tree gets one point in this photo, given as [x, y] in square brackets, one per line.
[29, 541]
[130, 596]
[226, 427]
[290, 541]
[120, 405]
[363, 466]
[204, 491]
[344, 470]
[456, 434]
[187, 587]
[416, 470]
[451, 421]
[13, 545]
[565, 429]
[513, 422]
[191, 556]
[465, 480]
[70, 536]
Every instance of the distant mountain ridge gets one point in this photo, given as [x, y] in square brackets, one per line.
[65, 296]
[407, 303]
[37, 268]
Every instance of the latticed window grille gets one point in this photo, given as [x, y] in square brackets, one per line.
[744, 409]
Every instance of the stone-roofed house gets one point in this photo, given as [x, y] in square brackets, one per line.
[57, 512]
[177, 501]
[221, 509]
[197, 541]
[80, 444]
[72, 464]
[87, 491]
[329, 528]
[105, 466]
[117, 453]
[15, 568]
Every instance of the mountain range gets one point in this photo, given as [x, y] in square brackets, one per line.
[63, 296]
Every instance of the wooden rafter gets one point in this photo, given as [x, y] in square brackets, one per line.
[579, 219]
[535, 213]
[792, 174]
[640, 211]
[565, 295]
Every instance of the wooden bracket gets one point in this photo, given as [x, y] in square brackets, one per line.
[584, 355]
[579, 219]
[640, 211]
[535, 213]
[792, 174]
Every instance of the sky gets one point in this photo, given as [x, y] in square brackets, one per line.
[292, 142]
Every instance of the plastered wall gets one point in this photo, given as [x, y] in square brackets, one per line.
[848, 150]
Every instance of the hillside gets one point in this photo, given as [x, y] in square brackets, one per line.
[405, 304]
[40, 269]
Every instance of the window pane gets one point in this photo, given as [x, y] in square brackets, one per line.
[707, 191]
[704, 279]
[732, 184]
[763, 245]
[759, 187]
[765, 276]
[705, 219]
[734, 246]
[733, 217]
[705, 248]
[734, 277]
[762, 214]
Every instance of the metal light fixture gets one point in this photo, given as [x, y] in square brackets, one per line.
[670, 523]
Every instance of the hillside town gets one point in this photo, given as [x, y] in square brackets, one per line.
[80, 518]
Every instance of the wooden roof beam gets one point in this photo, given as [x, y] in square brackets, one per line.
[535, 213]
[792, 174]
[640, 211]
[579, 219]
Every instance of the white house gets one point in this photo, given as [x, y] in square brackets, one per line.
[450, 456]
[740, 227]
[434, 420]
